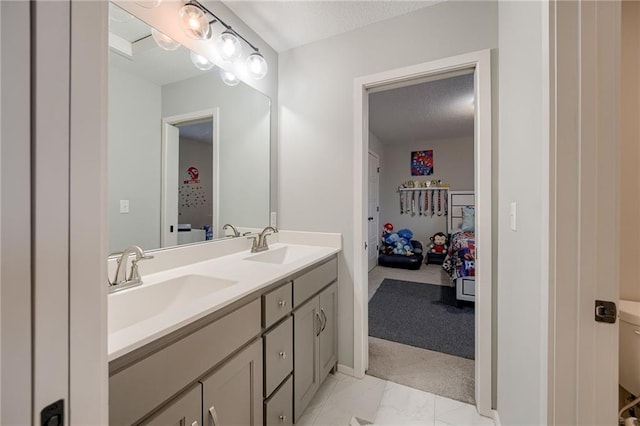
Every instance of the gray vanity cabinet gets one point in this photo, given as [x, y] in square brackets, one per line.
[186, 410]
[232, 395]
[329, 332]
[306, 349]
[315, 345]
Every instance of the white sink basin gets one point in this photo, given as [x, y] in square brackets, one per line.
[129, 307]
[282, 255]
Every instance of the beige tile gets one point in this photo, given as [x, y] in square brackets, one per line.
[320, 398]
[458, 413]
[349, 398]
[402, 405]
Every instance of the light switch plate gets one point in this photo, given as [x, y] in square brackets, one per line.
[124, 206]
[274, 219]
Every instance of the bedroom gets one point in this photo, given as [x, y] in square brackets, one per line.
[421, 179]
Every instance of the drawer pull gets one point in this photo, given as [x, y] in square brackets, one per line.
[324, 320]
[282, 419]
[320, 324]
[194, 423]
[283, 355]
[214, 416]
[637, 332]
[282, 303]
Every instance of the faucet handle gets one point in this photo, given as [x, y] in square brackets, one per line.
[254, 244]
[134, 275]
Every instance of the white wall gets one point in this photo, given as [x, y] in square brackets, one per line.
[522, 283]
[134, 161]
[630, 155]
[243, 143]
[316, 122]
[200, 155]
[452, 163]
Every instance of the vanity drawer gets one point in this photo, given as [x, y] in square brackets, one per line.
[143, 386]
[278, 355]
[313, 281]
[278, 411]
[185, 410]
[276, 304]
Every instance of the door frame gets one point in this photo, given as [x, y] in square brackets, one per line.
[175, 120]
[377, 213]
[480, 61]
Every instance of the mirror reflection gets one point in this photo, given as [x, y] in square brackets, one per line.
[187, 152]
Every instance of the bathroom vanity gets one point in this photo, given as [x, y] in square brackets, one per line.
[241, 339]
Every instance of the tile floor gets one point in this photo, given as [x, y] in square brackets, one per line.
[343, 397]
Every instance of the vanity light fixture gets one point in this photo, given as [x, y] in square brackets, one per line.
[229, 78]
[229, 46]
[194, 22]
[163, 41]
[193, 16]
[201, 62]
[257, 66]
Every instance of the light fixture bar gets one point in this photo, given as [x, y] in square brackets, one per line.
[216, 18]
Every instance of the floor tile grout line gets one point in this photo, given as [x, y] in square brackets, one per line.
[329, 392]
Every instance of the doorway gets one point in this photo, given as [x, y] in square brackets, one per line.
[190, 178]
[480, 63]
[421, 293]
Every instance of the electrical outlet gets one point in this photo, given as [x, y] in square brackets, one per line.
[124, 206]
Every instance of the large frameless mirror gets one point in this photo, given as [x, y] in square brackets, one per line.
[188, 153]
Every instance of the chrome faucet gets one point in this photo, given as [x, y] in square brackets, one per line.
[121, 281]
[236, 234]
[260, 242]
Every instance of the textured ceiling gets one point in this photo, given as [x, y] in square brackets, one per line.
[435, 110]
[287, 24]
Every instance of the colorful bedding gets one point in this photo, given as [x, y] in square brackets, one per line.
[461, 256]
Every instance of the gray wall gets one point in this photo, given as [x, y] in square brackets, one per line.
[134, 161]
[316, 117]
[522, 285]
[453, 164]
[243, 145]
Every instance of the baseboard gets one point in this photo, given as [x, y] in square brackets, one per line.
[346, 370]
[496, 418]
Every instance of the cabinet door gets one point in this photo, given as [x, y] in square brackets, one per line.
[328, 335]
[232, 395]
[186, 410]
[306, 366]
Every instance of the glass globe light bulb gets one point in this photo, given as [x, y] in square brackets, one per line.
[228, 78]
[194, 22]
[163, 41]
[229, 46]
[201, 62]
[257, 66]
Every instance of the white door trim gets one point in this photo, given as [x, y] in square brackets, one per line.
[376, 213]
[214, 114]
[481, 61]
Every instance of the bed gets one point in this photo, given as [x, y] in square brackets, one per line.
[460, 260]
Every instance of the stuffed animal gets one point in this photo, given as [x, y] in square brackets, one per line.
[396, 242]
[438, 243]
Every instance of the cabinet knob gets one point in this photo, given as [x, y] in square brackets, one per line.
[283, 419]
[283, 354]
[282, 303]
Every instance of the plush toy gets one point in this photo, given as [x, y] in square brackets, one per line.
[396, 242]
[438, 243]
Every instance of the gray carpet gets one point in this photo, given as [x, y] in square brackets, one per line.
[441, 374]
[422, 315]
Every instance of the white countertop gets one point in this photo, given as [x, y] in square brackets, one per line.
[247, 277]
